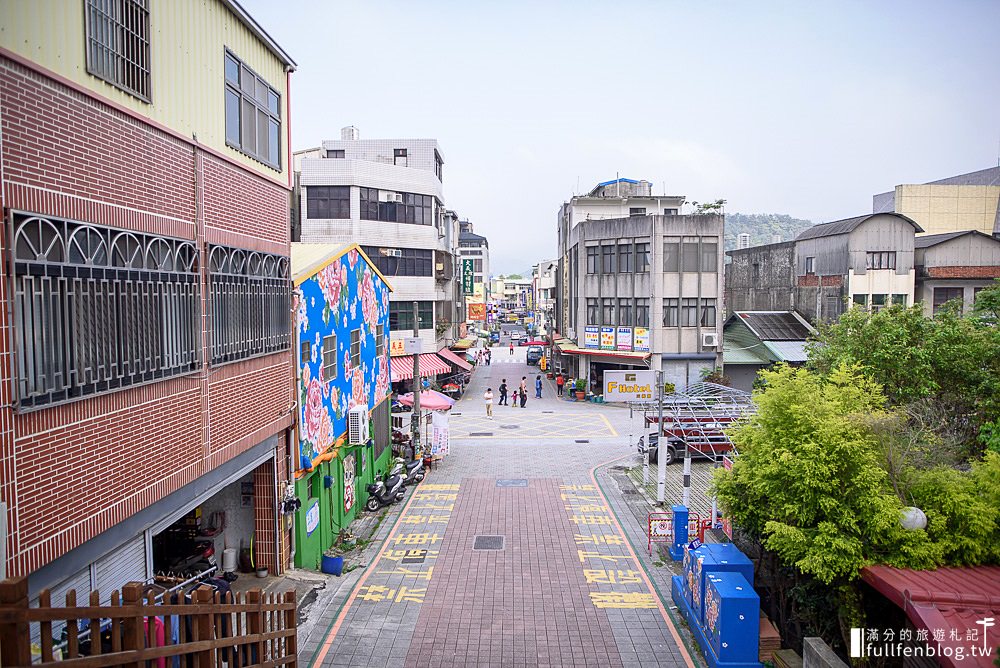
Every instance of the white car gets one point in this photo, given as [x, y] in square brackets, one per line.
[516, 335]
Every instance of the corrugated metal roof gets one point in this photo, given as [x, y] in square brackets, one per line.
[775, 325]
[622, 180]
[740, 346]
[944, 599]
[928, 240]
[846, 226]
[787, 351]
[307, 259]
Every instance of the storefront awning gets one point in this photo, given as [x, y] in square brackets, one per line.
[449, 356]
[463, 344]
[634, 356]
[430, 365]
[565, 345]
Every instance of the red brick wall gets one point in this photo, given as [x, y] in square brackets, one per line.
[814, 281]
[70, 472]
[962, 272]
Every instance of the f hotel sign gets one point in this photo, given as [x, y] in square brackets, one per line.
[467, 277]
[629, 385]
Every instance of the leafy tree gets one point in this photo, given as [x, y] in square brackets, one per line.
[948, 363]
[987, 303]
[809, 483]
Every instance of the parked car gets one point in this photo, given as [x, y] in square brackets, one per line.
[517, 335]
[534, 354]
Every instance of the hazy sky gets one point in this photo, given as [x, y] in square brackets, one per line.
[806, 107]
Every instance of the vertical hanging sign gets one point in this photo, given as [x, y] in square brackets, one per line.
[468, 287]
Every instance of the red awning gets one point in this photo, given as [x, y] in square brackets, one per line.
[430, 365]
[449, 356]
[945, 599]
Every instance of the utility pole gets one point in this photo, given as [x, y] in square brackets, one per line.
[661, 446]
[417, 387]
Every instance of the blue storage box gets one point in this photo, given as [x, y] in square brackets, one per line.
[714, 558]
[732, 618]
[690, 568]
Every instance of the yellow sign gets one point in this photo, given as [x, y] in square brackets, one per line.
[396, 348]
[476, 311]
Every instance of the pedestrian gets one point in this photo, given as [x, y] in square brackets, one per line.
[489, 356]
[488, 398]
[560, 381]
[511, 347]
[524, 398]
[514, 399]
[538, 386]
[503, 393]
[523, 390]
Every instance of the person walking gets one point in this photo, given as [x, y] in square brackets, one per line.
[538, 386]
[523, 390]
[489, 356]
[524, 398]
[560, 381]
[513, 401]
[488, 398]
[503, 393]
[511, 347]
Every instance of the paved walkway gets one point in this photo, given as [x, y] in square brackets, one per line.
[512, 552]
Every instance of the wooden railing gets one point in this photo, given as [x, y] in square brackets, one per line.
[251, 629]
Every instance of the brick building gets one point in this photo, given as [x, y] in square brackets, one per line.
[146, 334]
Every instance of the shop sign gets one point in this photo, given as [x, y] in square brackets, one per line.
[468, 287]
[640, 339]
[607, 338]
[397, 347]
[312, 518]
[625, 338]
[476, 311]
[349, 464]
[629, 385]
[592, 336]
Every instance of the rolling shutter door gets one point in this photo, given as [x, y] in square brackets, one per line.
[124, 565]
[79, 582]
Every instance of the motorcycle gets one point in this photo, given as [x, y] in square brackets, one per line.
[197, 562]
[411, 472]
[384, 493]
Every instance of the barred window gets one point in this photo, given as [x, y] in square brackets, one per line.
[98, 309]
[355, 348]
[118, 44]
[253, 113]
[330, 357]
[250, 304]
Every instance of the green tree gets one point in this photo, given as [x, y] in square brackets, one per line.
[808, 482]
[988, 302]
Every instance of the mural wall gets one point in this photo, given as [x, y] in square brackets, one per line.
[344, 296]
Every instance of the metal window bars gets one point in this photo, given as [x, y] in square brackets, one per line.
[118, 44]
[98, 309]
[250, 304]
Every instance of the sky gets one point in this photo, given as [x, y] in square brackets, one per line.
[803, 108]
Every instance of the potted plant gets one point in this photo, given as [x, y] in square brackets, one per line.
[580, 387]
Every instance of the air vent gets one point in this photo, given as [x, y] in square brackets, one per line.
[488, 543]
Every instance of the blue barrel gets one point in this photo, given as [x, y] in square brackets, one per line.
[332, 565]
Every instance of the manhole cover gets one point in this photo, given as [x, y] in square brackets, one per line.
[481, 433]
[415, 557]
[488, 543]
[514, 482]
[510, 426]
[583, 440]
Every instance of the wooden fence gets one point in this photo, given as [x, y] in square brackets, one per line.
[251, 629]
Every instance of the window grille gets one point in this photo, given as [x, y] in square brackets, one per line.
[250, 304]
[98, 309]
[118, 44]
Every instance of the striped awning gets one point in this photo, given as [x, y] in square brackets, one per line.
[449, 356]
[430, 365]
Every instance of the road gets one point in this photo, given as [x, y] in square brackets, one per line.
[519, 549]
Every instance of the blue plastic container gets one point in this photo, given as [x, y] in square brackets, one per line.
[732, 619]
[715, 558]
[332, 565]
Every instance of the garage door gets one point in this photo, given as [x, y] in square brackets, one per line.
[79, 582]
[124, 565]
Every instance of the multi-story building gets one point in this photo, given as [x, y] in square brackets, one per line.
[639, 291]
[543, 277]
[955, 204]
[954, 266]
[475, 248]
[145, 171]
[866, 260]
[387, 196]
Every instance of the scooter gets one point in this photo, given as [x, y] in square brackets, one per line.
[412, 472]
[385, 493]
[198, 561]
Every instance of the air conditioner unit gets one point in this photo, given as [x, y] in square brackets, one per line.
[709, 340]
[392, 252]
[386, 196]
[357, 425]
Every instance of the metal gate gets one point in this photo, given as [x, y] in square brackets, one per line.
[126, 564]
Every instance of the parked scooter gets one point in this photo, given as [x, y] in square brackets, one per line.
[384, 493]
[411, 472]
[200, 560]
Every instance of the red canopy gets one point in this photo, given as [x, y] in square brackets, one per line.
[429, 399]
[430, 365]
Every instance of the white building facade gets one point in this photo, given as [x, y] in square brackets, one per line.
[387, 195]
